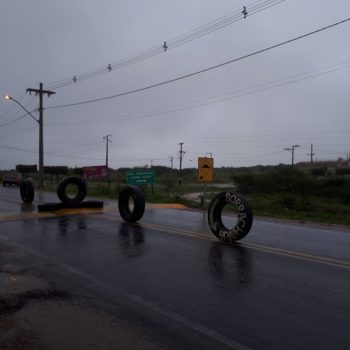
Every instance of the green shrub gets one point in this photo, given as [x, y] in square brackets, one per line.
[342, 171]
[281, 179]
[319, 172]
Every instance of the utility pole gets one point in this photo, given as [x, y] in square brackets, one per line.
[41, 94]
[311, 154]
[108, 178]
[291, 150]
[172, 162]
[181, 155]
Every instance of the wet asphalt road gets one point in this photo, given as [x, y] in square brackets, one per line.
[88, 280]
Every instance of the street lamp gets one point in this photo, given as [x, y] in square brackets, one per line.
[8, 97]
[41, 147]
[291, 150]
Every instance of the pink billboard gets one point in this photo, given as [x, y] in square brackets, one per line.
[95, 172]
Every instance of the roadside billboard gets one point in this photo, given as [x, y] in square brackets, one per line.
[95, 172]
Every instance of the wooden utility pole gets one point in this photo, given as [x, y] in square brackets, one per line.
[41, 94]
[181, 155]
[311, 154]
[108, 177]
[291, 150]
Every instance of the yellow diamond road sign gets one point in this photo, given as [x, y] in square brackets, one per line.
[205, 169]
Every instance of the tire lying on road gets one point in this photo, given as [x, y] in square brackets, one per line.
[63, 195]
[26, 190]
[92, 204]
[50, 206]
[244, 216]
[138, 198]
[60, 205]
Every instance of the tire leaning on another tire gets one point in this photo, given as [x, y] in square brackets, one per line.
[139, 203]
[26, 190]
[62, 191]
[244, 216]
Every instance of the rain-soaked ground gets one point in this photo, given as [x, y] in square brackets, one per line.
[86, 280]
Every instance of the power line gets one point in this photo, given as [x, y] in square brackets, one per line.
[48, 154]
[185, 38]
[15, 120]
[203, 70]
[235, 137]
[232, 19]
[222, 97]
[18, 149]
[17, 132]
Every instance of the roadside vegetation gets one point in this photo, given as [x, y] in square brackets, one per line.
[319, 195]
[312, 194]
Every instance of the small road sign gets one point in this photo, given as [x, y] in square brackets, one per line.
[140, 177]
[205, 169]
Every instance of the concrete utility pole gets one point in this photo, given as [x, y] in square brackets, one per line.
[41, 94]
[172, 162]
[311, 154]
[291, 150]
[181, 155]
[108, 178]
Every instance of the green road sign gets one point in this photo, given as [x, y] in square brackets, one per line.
[140, 177]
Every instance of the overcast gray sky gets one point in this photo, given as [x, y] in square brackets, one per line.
[244, 113]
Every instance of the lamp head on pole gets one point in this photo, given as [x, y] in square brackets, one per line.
[8, 97]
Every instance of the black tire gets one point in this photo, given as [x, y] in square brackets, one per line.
[58, 206]
[50, 206]
[26, 190]
[92, 204]
[139, 203]
[244, 216]
[63, 196]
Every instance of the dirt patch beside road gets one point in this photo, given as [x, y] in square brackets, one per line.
[40, 312]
